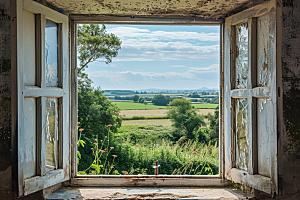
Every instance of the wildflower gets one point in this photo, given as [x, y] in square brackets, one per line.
[95, 139]
[102, 150]
[92, 148]
[95, 143]
[114, 155]
[196, 151]
[105, 149]
[109, 125]
[112, 147]
[193, 170]
[101, 140]
[137, 144]
[78, 122]
[125, 172]
[197, 155]
[105, 136]
[190, 162]
[81, 129]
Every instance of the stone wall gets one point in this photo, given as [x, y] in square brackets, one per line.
[289, 140]
[5, 96]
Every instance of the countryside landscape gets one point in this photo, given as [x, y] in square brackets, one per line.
[124, 129]
[149, 132]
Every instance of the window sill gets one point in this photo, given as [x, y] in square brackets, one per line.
[147, 193]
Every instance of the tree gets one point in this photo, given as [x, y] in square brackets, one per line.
[145, 103]
[184, 117]
[161, 100]
[135, 98]
[141, 100]
[94, 42]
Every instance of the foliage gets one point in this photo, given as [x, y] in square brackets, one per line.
[214, 125]
[94, 42]
[161, 100]
[137, 106]
[135, 98]
[184, 118]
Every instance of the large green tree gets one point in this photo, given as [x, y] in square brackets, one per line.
[184, 118]
[94, 42]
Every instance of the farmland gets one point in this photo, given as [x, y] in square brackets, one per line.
[127, 105]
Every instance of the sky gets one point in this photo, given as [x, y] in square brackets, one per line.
[160, 57]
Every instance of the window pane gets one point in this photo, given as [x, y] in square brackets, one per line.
[241, 65]
[51, 133]
[242, 154]
[51, 53]
[262, 51]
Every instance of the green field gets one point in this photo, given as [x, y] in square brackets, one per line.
[205, 105]
[140, 106]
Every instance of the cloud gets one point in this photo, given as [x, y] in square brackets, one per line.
[122, 77]
[139, 44]
[132, 32]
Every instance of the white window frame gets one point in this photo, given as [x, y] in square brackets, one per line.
[41, 178]
[141, 180]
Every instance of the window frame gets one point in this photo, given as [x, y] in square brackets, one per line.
[142, 180]
[250, 177]
[39, 92]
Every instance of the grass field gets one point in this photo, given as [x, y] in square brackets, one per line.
[158, 113]
[205, 106]
[140, 106]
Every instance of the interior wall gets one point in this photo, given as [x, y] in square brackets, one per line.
[289, 140]
[5, 97]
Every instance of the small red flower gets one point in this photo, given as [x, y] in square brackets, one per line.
[81, 129]
[101, 140]
[125, 172]
[105, 136]
[109, 125]
[78, 122]
[137, 144]
[114, 155]
[197, 155]
[102, 151]
[112, 147]
[92, 148]
[95, 143]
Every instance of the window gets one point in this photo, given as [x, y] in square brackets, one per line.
[43, 97]
[251, 103]
[247, 105]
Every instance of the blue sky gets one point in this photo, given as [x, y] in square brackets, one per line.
[161, 57]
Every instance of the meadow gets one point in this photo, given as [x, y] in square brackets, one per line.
[139, 106]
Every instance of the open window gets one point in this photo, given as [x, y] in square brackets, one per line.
[44, 113]
[42, 96]
[250, 98]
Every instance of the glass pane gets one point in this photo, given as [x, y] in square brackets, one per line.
[51, 133]
[241, 65]
[51, 53]
[262, 51]
[242, 154]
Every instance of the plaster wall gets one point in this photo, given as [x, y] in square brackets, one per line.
[289, 137]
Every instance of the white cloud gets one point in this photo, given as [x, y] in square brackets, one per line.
[131, 32]
[193, 73]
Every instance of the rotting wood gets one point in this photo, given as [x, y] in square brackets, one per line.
[252, 93]
[149, 182]
[25, 94]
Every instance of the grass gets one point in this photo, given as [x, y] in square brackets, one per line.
[140, 146]
[157, 122]
[205, 106]
[140, 106]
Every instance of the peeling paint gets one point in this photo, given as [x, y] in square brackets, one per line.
[201, 8]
